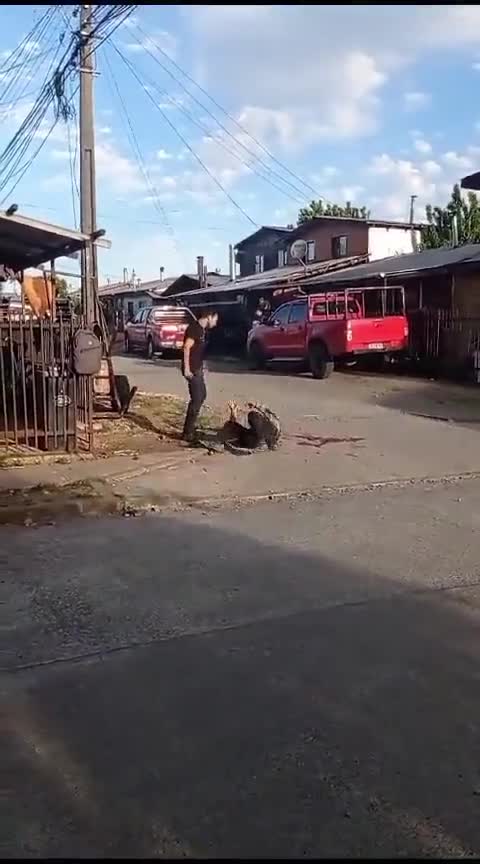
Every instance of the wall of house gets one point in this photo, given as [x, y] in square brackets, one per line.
[385, 242]
[266, 245]
[466, 294]
[323, 233]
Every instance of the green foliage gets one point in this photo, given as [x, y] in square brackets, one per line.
[61, 287]
[440, 228]
[318, 208]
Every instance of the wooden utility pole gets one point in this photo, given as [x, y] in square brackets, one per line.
[88, 204]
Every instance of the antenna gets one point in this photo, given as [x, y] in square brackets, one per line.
[298, 251]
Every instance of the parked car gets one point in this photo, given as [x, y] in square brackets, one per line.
[157, 330]
[323, 328]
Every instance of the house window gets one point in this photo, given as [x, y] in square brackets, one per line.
[339, 247]
[259, 263]
[311, 250]
[282, 257]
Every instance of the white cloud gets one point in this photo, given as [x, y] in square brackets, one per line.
[476, 66]
[164, 154]
[114, 168]
[162, 39]
[332, 86]
[459, 162]
[422, 146]
[413, 100]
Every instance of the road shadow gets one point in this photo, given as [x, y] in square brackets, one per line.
[300, 717]
[437, 400]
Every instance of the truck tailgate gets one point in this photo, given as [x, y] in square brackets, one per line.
[378, 334]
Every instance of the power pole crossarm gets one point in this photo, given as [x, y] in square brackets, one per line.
[88, 206]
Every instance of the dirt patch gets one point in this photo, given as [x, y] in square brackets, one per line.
[45, 504]
[153, 424]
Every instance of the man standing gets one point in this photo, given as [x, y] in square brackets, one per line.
[193, 368]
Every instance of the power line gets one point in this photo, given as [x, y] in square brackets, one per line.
[221, 143]
[185, 142]
[52, 91]
[224, 128]
[137, 152]
[230, 117]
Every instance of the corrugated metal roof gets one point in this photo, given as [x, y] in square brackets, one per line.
[408, 265]
[26, 242]
[471, 182]
[278, 277]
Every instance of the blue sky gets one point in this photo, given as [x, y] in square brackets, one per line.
[365, 103]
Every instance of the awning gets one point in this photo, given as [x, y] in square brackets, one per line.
[471, 182]
[26, 242]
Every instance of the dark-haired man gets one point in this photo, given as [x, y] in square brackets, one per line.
[193, 371]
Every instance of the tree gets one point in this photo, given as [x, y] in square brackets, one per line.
[61, 287]
[441, 229]
[318, 208]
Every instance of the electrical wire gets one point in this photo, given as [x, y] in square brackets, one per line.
[221, 143]
[128, 126]
[224, 128]
[230, 116]
[52, 92]
[185, 142]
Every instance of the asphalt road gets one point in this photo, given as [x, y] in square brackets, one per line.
[295, 679]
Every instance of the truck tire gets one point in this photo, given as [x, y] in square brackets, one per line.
[150, 352]
[256, 356]
[319, 360]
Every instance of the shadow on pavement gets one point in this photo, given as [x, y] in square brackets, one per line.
[293, 716]
[442, 401]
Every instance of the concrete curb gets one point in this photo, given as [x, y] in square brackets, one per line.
[146, 505]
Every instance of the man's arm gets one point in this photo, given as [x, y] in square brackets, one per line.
[187, 347]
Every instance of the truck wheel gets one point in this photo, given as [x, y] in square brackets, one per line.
[320, 362]
[256, 357]
[128, 349]
[150, 352]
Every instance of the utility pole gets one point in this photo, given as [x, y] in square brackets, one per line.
[413, 198]
[412, 208]
[88, 204]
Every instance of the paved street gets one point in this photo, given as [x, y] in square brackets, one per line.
[279, 680]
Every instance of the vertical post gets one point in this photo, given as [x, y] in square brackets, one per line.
[87, 164]
[231, 262]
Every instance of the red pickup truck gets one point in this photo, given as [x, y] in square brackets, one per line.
[157, 329]
[340, 325]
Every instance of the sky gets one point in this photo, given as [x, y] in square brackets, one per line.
[369, 104]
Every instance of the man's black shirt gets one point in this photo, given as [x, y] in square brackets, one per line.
[196, 332]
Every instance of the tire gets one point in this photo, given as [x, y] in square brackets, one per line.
[150, 352]
[320, 362]
[256, 357]
[128, 349]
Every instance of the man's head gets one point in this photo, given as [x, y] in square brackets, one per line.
[208, 318]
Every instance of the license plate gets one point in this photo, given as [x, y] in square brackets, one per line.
[376, 346]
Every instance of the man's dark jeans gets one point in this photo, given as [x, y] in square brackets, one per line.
[198, 394]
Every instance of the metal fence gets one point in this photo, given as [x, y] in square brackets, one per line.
[44, 404]
[443, 338]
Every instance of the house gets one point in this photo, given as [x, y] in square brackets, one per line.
[128, 297]
[258, 252]
[329, 237]
[190, 282]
